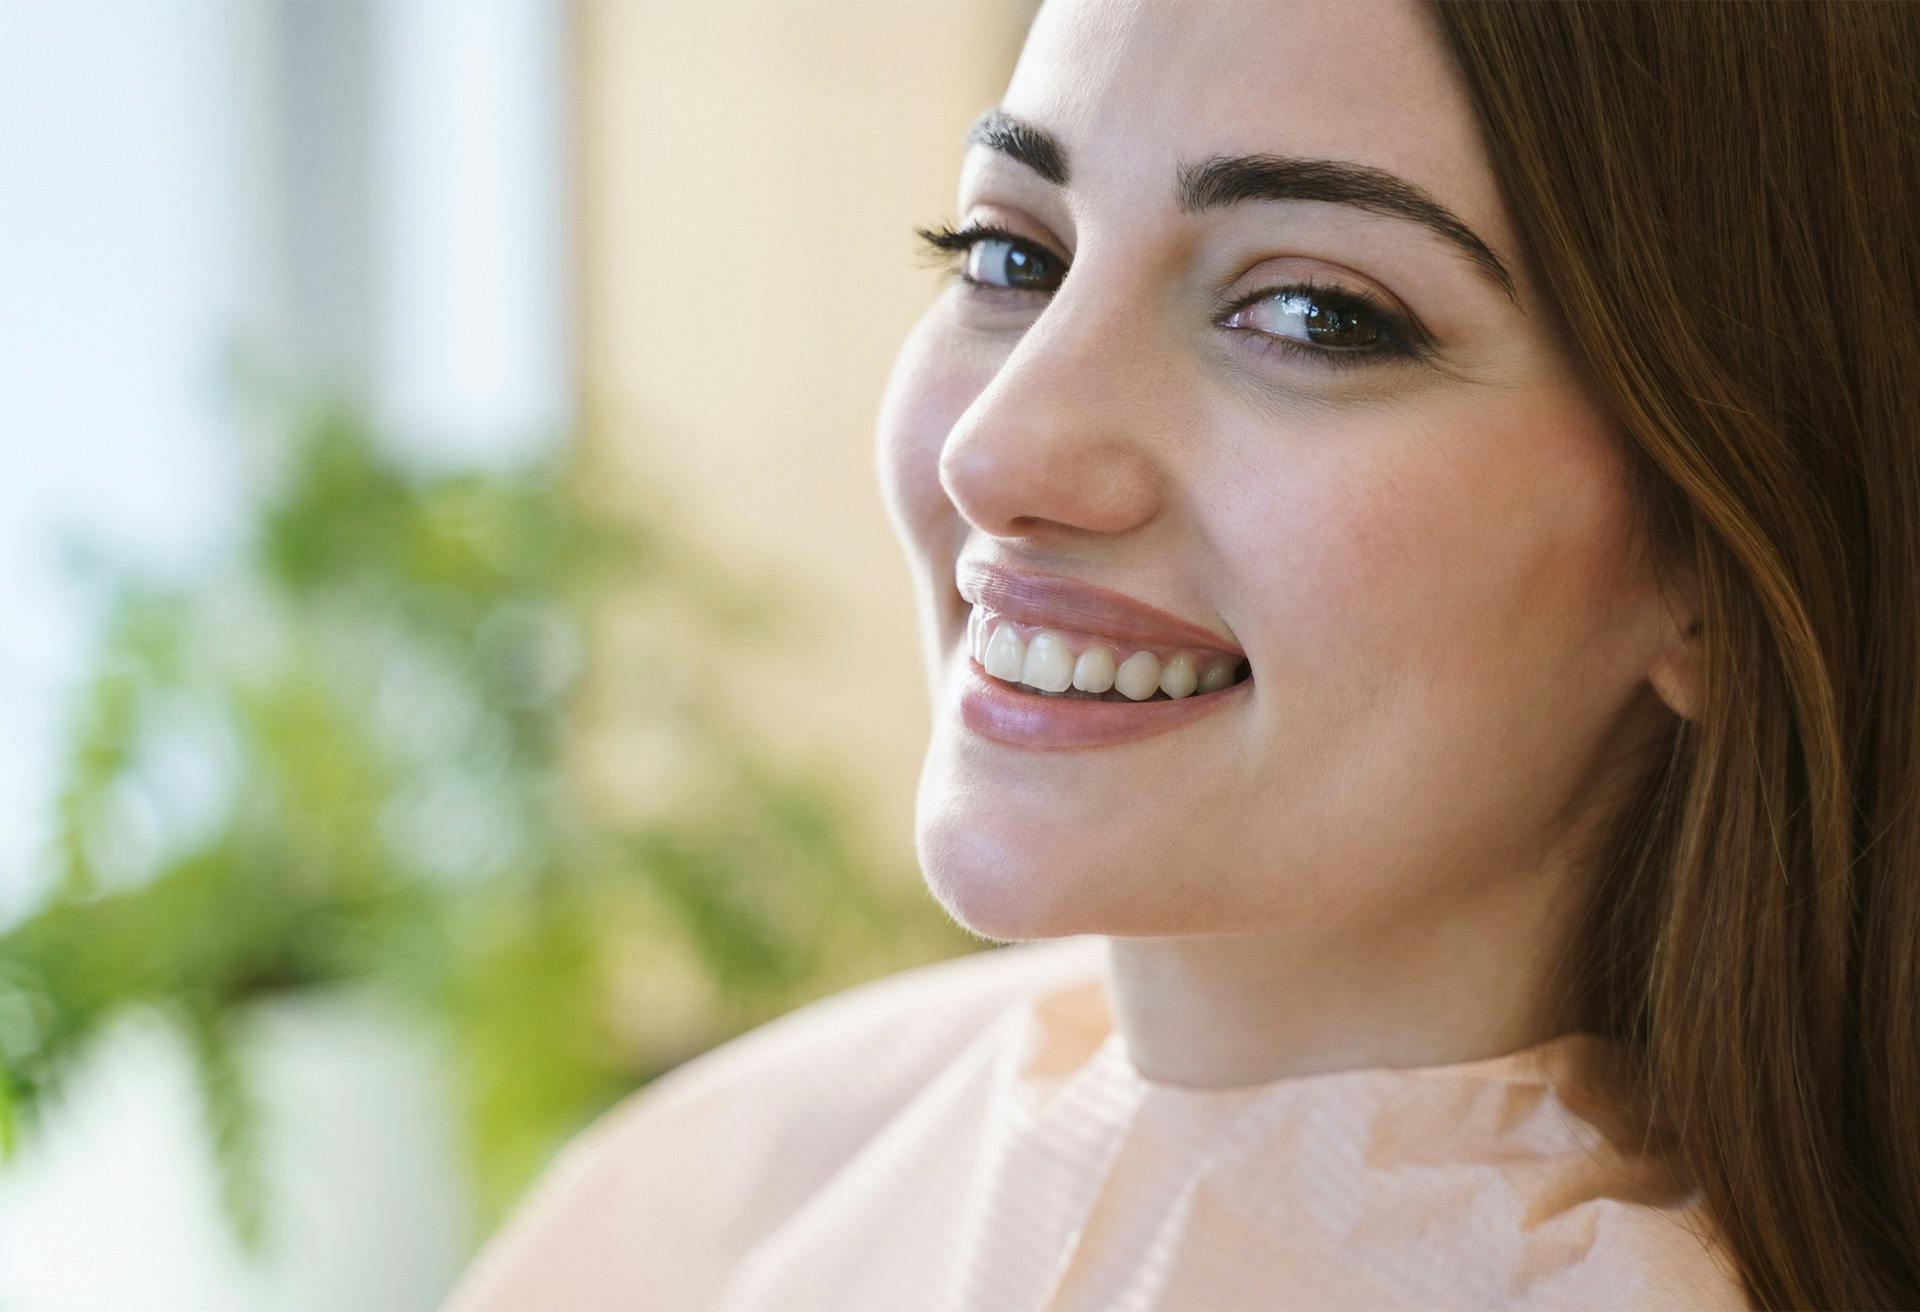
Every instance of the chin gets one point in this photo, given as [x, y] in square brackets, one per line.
[985, 864]
[1007, 870]
[998, 903]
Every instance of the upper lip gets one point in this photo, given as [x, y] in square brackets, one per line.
[1055, 600]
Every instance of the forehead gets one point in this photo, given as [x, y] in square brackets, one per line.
[1135, 87]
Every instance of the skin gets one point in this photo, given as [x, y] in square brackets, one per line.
[1460, 648]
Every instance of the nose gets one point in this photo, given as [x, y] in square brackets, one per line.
[1061, 440]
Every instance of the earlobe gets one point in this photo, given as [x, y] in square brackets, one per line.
[1676, 675]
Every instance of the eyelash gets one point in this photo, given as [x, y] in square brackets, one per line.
[1398, 339]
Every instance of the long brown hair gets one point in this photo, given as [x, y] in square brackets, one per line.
[1722, 201]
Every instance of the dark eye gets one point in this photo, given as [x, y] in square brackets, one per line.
[1001, 262]
[1314, 319]
[993, 257]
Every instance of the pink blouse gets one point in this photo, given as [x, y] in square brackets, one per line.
[971, 1136]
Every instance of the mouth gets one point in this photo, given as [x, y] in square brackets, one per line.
[1054, 662]
[1041, 688]
[1051, 662]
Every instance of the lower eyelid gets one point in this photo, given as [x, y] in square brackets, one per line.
[994, 290]
[1270, 344]
[998, 308]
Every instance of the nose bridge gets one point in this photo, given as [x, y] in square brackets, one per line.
[1064, 432]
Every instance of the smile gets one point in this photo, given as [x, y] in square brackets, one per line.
[1149, 692]
[1060, 662]
[1051, 662]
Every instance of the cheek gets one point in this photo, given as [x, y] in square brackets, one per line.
[1528, 565]
[931, 386]
[1456, 555]
[1443, 607]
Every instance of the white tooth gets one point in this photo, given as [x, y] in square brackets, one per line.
[973, 629]
[1093, 672]
[1219, 675]
[1049, 665]
[980, 637]
[1138, 676]
[1177, 676]
[1005, 653]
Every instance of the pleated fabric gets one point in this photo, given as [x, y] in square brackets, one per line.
[972, 1136]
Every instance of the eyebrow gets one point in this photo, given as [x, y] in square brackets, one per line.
[1229, 179]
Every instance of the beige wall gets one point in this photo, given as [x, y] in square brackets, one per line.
[750, 176]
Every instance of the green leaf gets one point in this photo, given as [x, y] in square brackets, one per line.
[375, 700]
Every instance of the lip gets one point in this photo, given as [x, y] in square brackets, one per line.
[998, 711]
[1058, 601]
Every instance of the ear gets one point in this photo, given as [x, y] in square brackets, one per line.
[1676, 674]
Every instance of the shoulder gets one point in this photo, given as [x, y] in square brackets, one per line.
[693, 1167]
[1626, 1226]
[850, 1055]
[1636, 1255]
[923, 1013]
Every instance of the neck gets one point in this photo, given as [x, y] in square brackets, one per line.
[1219, 1011]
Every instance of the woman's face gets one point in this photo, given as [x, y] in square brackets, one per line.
[1296, 408]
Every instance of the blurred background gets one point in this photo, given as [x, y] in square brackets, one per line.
[456, 665]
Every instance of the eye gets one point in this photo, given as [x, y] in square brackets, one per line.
[1319, 322]
[993, 257]
[997, 262]
[1337, 327]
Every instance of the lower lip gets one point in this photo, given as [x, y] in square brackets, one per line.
[994, 709]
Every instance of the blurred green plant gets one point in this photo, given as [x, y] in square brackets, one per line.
[343, 760]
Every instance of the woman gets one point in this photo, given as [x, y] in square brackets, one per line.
[1417, 518]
